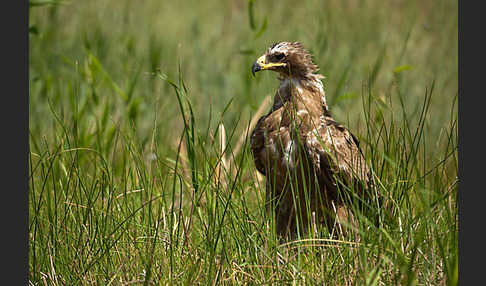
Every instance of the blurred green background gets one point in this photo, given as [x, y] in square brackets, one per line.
[99, 49]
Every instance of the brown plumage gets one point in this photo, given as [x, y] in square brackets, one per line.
[312, 163]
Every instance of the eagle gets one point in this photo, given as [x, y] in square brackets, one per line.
[313, 165]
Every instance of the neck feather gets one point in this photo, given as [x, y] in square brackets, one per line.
[310, 81]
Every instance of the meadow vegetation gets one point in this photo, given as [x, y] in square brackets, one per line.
[139, 166]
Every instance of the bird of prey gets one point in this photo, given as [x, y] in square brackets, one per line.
[312, 164]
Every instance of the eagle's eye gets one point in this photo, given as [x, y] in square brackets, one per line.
[279, 56]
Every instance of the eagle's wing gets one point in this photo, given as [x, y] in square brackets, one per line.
[257, 145]
[264, 140]
[335, 154]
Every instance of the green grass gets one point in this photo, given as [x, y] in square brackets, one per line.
[127, 180]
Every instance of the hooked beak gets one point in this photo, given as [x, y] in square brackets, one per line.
[255, 68]
[260, 65]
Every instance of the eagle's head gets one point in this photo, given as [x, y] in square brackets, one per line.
[288, 59]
